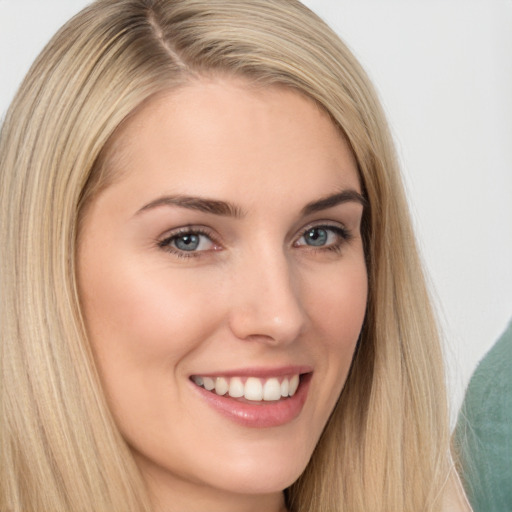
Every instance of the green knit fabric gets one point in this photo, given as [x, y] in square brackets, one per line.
[484, 431]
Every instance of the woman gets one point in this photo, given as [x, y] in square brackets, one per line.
[210, 287]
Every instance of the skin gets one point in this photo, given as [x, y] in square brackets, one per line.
[254, 294]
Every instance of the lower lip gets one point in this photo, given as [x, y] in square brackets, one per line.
[262, 414]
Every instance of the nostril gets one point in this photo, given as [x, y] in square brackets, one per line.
[260, 325]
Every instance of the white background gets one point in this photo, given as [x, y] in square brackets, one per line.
[443, 69]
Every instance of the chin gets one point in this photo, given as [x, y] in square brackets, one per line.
[263, 475]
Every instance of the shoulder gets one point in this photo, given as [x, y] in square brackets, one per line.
[486, 412]
[484, 430]
[488, 400]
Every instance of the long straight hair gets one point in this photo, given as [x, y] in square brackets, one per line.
[386, 445]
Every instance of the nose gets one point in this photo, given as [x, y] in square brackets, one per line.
[266, 300]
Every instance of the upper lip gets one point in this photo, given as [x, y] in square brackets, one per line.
[262, 372]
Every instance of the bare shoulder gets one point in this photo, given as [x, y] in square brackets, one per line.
[455, 499]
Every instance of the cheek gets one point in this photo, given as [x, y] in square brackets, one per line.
[337, 309]
[337, 304]
[142, 325]
[137, 316]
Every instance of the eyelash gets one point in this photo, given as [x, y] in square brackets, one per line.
[343, 234]
[165, 244]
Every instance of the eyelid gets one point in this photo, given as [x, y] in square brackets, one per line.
[326, 224]
[344, 234]
[164, 242]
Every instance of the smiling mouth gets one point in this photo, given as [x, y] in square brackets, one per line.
[253, 389]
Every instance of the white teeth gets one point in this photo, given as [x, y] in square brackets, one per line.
[294, 384]
[254, 389]
[221, 386]
[284, 387]
[272, 390]
[236, 387]
[208, 383]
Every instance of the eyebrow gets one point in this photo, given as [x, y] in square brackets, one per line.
[333, 200]
[227, 209]
[196, 203]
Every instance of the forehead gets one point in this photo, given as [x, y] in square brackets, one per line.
[226, 136]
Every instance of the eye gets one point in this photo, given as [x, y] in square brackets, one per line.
[323, 237]
[188, 242]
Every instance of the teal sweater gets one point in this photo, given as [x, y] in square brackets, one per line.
[484, 431]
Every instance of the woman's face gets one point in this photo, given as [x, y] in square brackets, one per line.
[226, 253]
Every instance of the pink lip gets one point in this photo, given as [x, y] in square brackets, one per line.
[260, 414]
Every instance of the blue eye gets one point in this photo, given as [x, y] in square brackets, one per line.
[316, 236]
[187, 243]
[327, 237]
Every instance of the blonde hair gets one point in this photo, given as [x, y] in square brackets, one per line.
[386, 445]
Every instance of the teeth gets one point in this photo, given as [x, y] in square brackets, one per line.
[208, 383]
[236, 387]
[272, 390]
[221, 386]
[294, 384]
[285, 385]
[254, 389]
